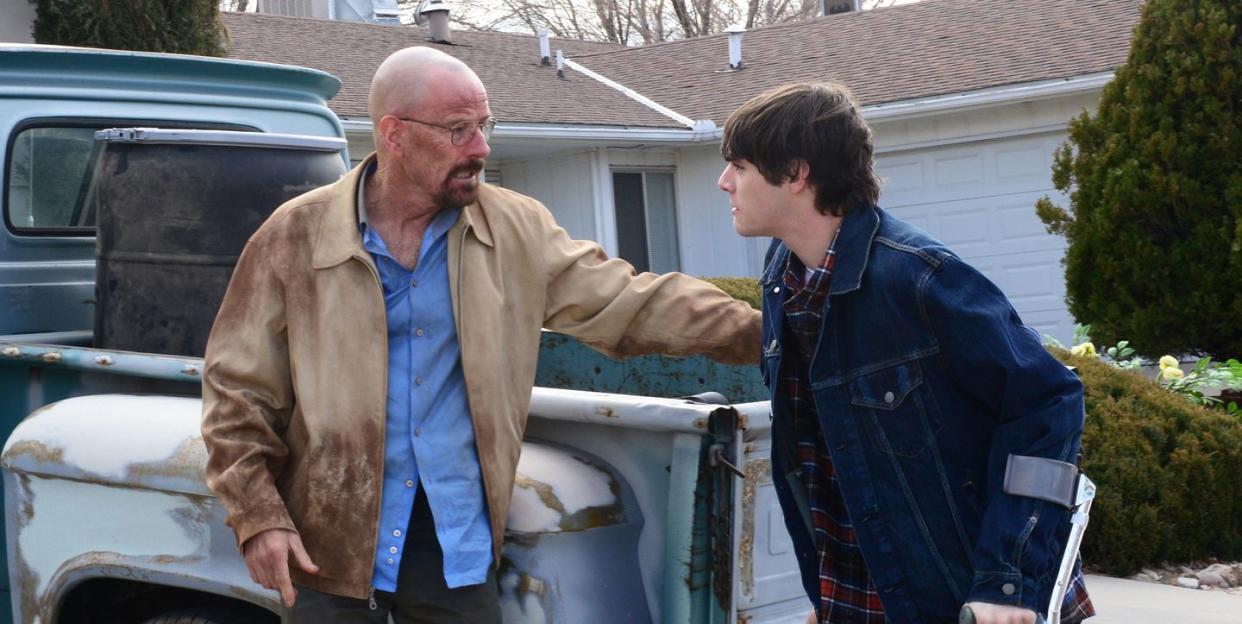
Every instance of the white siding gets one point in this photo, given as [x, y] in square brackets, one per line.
[563, 182]
[709, 246]
[16, 20]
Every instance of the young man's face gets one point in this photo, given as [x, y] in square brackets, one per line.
[758, 206]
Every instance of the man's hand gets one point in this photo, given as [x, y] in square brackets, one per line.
[987, 613]
[811, 618]
[267, 557]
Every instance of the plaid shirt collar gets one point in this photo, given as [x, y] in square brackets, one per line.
[807, 292]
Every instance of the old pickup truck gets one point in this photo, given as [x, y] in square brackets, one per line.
[643, 495]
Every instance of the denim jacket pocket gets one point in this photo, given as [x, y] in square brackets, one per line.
[896, 416]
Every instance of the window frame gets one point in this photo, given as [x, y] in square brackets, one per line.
[644, 170]
[98, 123]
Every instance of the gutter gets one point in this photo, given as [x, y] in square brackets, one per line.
[627, 134]
[969, 100]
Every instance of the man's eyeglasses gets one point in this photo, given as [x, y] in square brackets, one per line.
[461, 133]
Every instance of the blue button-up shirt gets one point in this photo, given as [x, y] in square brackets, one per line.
[430, 437]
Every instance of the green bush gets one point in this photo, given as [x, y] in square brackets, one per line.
[180, 26]
[740, 288]
[1166, 471]
[1155, 184]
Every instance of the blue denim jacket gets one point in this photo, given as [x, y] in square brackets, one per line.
[925, 381]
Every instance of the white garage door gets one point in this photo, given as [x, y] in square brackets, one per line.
[979, 199]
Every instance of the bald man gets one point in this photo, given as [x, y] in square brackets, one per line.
[370, 369]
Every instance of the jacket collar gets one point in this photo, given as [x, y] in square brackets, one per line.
[339, 236]
[854, 241]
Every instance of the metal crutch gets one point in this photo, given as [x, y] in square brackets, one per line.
[1080, 513]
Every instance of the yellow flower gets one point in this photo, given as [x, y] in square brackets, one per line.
[1171, 373]
[1085, 349]
[1167, 362]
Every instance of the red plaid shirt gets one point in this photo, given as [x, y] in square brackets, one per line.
[846, 593]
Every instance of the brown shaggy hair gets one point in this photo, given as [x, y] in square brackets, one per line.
[816, 123]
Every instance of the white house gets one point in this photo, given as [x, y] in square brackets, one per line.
[16, 20]
[968, 100]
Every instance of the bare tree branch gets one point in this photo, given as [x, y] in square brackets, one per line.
[628, 21]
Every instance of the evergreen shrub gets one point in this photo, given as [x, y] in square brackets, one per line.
[179, 26]
[740, 288]
[1155, 185]
[1166, 470]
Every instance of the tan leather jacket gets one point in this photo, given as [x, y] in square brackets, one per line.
[295, 378]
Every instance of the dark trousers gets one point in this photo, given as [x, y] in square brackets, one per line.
[421, 596]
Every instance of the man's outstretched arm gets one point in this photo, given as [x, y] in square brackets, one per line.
[604, 304]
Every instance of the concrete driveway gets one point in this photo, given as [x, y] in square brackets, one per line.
[1121, 601]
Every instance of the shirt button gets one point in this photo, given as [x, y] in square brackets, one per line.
[418, 381]
[419, 332]
[888, 397]
[396, 533]
[776, 290]
[418, 431]
[390, 561]
[409, 483]
[393, 550]
[413, 283]
[1008, 589]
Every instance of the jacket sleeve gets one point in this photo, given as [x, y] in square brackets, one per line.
[603, 303]
[248, 397]
[1038, 408]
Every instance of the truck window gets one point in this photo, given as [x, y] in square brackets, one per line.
[47, 170]
[45, 174]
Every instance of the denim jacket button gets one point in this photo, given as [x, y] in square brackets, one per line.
[772, 345]
[888, 397]
[1008, 589]
[776, 290]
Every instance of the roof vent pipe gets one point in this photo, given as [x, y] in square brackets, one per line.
[545, 55]
[735, 45]
[436, 12]
[560, 64]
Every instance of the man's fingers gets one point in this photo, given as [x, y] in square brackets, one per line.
[284, 584]
[811, 619]
[300, 557]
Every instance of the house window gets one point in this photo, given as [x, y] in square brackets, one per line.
[646, 219]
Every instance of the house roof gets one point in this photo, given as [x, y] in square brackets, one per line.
[519, 87]
[884, 55]
[906, 52]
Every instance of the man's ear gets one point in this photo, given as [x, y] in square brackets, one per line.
[390, 134]
[800, 181]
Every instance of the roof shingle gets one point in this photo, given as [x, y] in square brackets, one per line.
[905, 52]
[934, 47]
[519, 87]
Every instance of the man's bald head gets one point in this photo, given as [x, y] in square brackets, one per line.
[403, 79]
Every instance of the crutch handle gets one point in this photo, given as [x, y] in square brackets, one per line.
[967, 616]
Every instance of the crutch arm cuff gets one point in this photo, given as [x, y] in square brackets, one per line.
[1042, 479]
